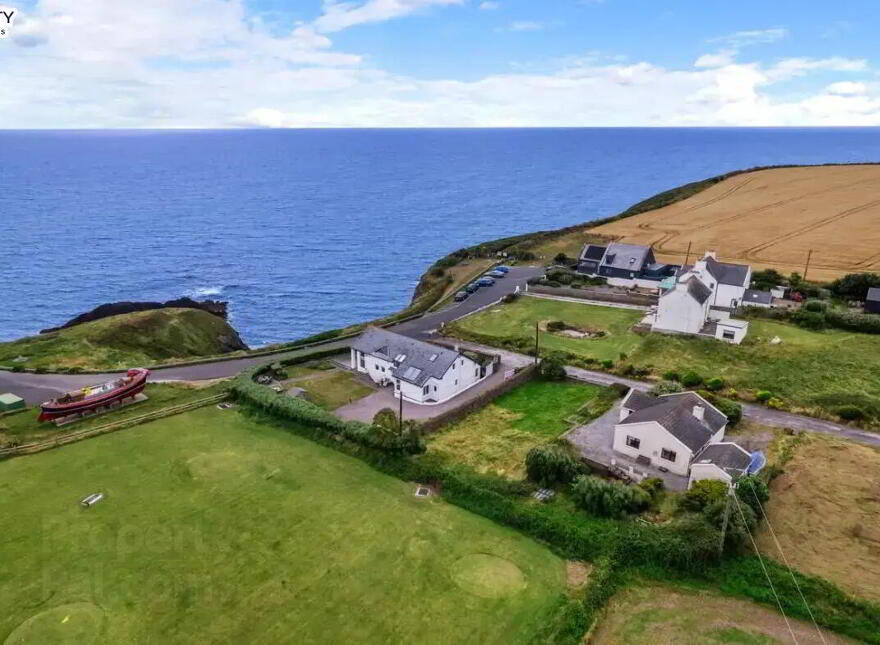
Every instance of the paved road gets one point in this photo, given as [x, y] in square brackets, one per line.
[36, 388]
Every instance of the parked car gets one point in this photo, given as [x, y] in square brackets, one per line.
[461, 295]
[473, 286]
[497, 274]
[502, 268]
[486, 281]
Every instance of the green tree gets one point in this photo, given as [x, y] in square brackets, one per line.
[703, 493]
[608, 498]
[552, 463]
[552, 368]
[752, 490]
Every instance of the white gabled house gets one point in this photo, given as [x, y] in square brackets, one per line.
[700, 299]
[681, 433]
[422, 372]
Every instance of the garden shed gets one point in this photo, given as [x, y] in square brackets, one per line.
[10, 402]
[872, 301]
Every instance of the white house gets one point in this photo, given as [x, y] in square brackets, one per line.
[701, 299]
[725, 461]
[424, 373]
[667, 431]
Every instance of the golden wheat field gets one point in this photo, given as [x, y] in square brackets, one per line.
[772, 219]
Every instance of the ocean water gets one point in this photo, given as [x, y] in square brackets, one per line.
[306, 230]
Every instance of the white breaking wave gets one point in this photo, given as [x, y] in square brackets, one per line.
[208, 291]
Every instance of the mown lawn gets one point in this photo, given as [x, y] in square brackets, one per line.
[807, 369]
[332, 390]
[23, 427]
[218, 529]
[496, 438]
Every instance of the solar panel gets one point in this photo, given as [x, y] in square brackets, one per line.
[412, 373]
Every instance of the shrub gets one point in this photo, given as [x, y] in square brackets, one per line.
[386, 418]
[763, 395]
[619, 389]
[509, 297]
[752, 490]
[552, 463]
[714, 384]
[731, 409]
[607, 363]
[691, 379]
[776, 403]
[810, 320]
[849, 412]
[556, 325]
[737, 533]
[814, 306]
[853, 321]
[767, 279]
[17, 368]
[629, 370]
[855, 285]
[652, 485]
[551, 368]
[671, 375]
[666, 387]
[561, 258]
[623, 356]
[438, 272]
[608, 499]
[703, 493]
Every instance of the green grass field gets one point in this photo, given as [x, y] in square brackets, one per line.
[332, 390]
[219, 529]
[496, 438]
[127, 340]
[808, 369]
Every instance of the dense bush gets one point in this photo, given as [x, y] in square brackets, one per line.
[855, 285]
[619, 388]
[607, 363]
[849, 412]
[562, 258]
[752, 490]
[714, 384]
[868, 404]
[814, 306]
[507, 298]
[703, 493]
[767, 279]
[553, 463]
[853, 321]
[776, 403]
[386, 418]
[671, 375]
[666, 387]
[551, 368]
[763, 395]
[691, 379]
[813, 320]
[608, 498]
[556, 325]
[740, 520]
[731, 409]
[652, 485]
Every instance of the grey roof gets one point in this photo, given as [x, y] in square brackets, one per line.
[416, 367]
[675, 412]
[726, 273]
[760, 297]
[626, 256]
[698, 290]
[728, 456]
[636, 400]
[592, 252]
[874, 294]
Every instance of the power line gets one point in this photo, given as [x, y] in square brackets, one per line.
[790, 571]
[764, 568]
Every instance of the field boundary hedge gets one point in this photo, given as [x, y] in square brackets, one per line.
[590, 294]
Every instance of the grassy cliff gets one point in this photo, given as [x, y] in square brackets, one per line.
[127, 340]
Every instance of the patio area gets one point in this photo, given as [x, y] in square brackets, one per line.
[594, 441]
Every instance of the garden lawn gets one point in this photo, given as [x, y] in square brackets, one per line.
[219, 529]
[496, 438]
[659, 614]
[808, 370]
[332, 390]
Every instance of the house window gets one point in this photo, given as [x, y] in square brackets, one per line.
[456, 381]
[668, 455]
[633, 442]
[425, 390]
[363, 362]
[728, 335]
[435, 388]
[477, 372]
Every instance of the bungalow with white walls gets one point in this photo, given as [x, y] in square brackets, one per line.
[702, 298]
[422, 372]
[725, 461]
[624, 265]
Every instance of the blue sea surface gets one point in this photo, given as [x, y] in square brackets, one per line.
[305, 230]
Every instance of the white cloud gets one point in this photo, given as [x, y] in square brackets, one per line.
[751, 37]
[846, 88]
[209, 63]
[342, 15]
[525, 25]
[489, 5]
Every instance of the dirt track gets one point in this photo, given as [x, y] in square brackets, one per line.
[772, 218]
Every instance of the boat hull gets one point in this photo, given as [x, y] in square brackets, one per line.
[55, 409]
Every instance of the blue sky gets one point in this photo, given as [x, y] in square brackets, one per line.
[305, 63]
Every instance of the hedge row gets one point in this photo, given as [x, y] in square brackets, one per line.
[819, 319]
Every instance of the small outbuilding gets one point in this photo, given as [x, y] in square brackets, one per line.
[9, 403]
[755, 298]
[872, 301]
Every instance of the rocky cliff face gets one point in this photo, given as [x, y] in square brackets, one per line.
[214, 307]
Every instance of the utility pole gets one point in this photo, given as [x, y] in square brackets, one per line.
[688, 254]
[536, 342]
[807, 267]
[400, 412]
[724, 523]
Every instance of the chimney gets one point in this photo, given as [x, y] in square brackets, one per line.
[699, 412]
[711, 254]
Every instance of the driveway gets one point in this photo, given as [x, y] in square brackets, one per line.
[366, 408]
[594, 442]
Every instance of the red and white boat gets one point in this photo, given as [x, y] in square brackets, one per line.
[90, 398]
